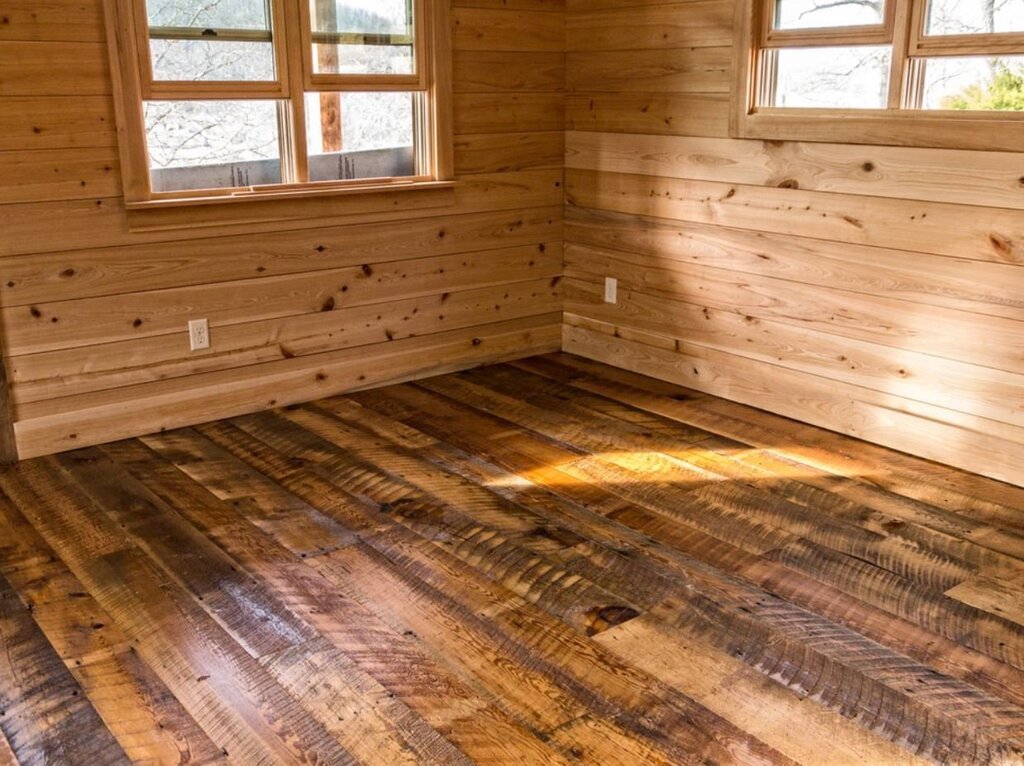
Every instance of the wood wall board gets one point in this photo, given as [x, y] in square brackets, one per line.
[915, 131]
[931, 227]
[924, 230]
[863, 316]
[101, 222]
[71, 21]
[976, 390]
[106, 416]
[579, 6]
[32, 69]
[656, 70]
[30, 123]
[59, 174]
[517, 112]
[677, 25]
[501, 152]
[509, 72]
[94, 272]
[975, 286]
[503, 71]
[508, 30]
[514, 5]
[990, 179]
[696, 114]
[45, 327]
[78, 370]
[855, 411]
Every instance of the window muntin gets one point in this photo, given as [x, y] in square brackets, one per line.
[226, 99]
[940, 55]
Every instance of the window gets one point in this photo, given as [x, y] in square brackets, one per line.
[916, 72]
[249, 99]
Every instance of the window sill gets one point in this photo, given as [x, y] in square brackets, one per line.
[932, 129]
[377, 201]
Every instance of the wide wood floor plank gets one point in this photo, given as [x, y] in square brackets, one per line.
[833, 471]
[144, 716]
[238, 705]
[44, 715]
[6, 753]
[514, 625]
[889, 572]
[434, 415]
[710, 475]
[395, 659]
[547, 561]
[973, 496]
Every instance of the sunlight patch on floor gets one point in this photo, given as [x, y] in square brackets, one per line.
[694, 464]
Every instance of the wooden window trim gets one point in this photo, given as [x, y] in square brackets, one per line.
[126, 25]
[993, 131]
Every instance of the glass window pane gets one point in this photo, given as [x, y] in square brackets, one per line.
[362, 36]
[808, 14]
[209, 14]
[971, 17]
[360, 135]
[855, 77]
[194, 60]
[978, 83]
[212, 144]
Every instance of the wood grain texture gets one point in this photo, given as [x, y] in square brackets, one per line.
[102, 263]
[691, 220]
[544, 562]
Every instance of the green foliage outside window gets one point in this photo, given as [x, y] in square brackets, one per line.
[1004, 93]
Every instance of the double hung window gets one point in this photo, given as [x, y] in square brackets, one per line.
[234, 98]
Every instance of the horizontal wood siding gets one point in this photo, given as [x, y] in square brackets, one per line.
[318, 297]
[876, 291]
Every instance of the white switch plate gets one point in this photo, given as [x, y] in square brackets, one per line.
[611, 290]
[199, 334]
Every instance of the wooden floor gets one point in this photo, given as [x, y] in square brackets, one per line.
[547, 562]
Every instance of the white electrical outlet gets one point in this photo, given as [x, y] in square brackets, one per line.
[611, 290]
[199, 334]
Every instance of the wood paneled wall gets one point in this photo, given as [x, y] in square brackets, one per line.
[94, 314]
[877, 291]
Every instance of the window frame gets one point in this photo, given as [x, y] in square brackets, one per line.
[133, 84]
[903, 28]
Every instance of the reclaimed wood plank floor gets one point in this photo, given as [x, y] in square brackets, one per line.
[545, 562]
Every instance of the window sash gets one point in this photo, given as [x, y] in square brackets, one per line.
[867, 34]
[171, 90]
[320, 81]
